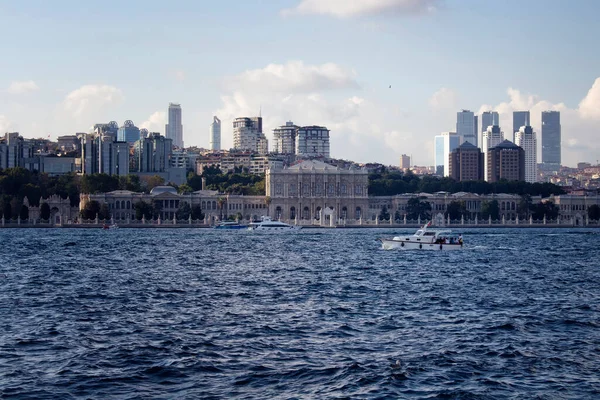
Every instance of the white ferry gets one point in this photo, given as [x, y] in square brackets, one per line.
[266, 224]
[425, 239]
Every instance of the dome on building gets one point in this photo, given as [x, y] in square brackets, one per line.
[163, 189]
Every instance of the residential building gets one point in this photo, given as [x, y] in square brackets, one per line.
[152, 154]
[520, 118]
[174, 128]
[312, 141]
[451, 142]
[183, 159]
[215, 134]
[466, 163]
[284, 138]
[248, 135]
[506, 161]
[526, 139]
[466, 126]
[551, 141]
[404, 162]
[14, 150]
[491, 137]
[128, 132]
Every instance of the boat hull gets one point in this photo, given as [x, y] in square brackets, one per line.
[391, 244]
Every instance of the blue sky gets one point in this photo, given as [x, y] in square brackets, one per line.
[67, 65]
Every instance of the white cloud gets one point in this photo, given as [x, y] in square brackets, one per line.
[91, 98]
[443, 99]
[5, 124]
[357, 8]
[178, 75]
[155, 122]
[589, 108]
[22, 87]
[295, 77]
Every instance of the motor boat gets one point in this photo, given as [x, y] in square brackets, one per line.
[425, 239]
[267, 224]
[230, 225]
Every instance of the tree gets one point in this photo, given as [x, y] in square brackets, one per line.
[130, 182]
[524, 206]
[456, 209]
[384, 215]
[153, 182]
[221, 201]
[197, 213]
[184, 210]
[45, 211]
[24, 214]
[90, 210]
[490, 208]
[7, 211]
[544, 209]
[104, 212]
[157, 207]
[185, 188]
[417, 208]
[594, 212]
[142, 209]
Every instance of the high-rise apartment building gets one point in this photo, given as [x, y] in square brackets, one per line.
[466, 126]
[101, 153]
[284, 138]
[489, 118]
[152, 153]
[14, 150]
[215, 134]
[128, 132]
[404, 162]
[551, 140]
[526, 139]
[506, 161]
[248, 135]
[491, 137]
[520, 118]
[174, 128]
[466, 163]
[312, 141]
[438, 155]
[451, 141]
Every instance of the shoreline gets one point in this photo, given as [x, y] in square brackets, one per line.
[381, 226]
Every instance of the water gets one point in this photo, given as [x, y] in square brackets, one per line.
[87, 313]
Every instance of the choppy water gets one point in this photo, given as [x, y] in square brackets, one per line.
[317, 314]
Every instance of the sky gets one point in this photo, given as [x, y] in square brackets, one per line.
[385, 76]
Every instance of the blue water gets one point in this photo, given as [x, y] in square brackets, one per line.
[194, 313]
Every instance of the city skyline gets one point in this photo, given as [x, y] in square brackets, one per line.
[375, 110]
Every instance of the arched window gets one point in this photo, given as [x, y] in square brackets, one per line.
[122, 204]
[214, 205]
[344, 214]
[318, 213]
[293, 213]
[117, 204]
[357, 213]
[128, 205]
[306, 213]
[278, 212]
[203, 206]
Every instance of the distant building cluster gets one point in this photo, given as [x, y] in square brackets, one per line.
[472, 151]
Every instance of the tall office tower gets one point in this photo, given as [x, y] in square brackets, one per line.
[491, 137]
[466, 163]
[312, 141]
[215, 134]
[466, 126]
[520, 118]
[284, 138]
[101, 153]
[438, 155]
[506, 161]
[526, 139]
[128, 132]
[248, 135]
[14, 150]
[152, 153]
[489, 118]
[476, 118]
[404, 162]
[451, 142]
[551, 138]
[112, 129]
[174, 129]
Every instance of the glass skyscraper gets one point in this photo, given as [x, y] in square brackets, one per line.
[520, 118]
[466, 126]
[551, 138]
[128, 132]
[489, 118]
[174, 129]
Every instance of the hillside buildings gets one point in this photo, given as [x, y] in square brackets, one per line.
[102, 153]
[174, 128]
[312, 141]
[248, 135]
[284, 138]
[215, 134]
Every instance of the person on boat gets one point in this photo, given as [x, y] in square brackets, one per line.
[460, 240]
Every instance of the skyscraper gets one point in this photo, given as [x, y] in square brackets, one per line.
[174, 129]
[466, 126]
[128, 132]
[451, 142]
[248, 135]
[404, 162]
[438, 155]
[491, 137]
[466, 163]
[215, 134]
[312, 141]
[551, 138]
[285, 138]
[520, 118]
[526, 139]
[489, 118]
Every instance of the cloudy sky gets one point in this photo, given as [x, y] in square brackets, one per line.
[69, 64]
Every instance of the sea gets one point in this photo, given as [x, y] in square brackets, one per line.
[315, 314]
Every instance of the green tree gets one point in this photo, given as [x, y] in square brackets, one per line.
[90, 210]
[142, 209]
[104, 212]
[24, 213]
[416, 208]
[153, 182]
[197, 213]
[7, 211]
[544, 209]
[184, 210]
[157, 207]
[45, 211]
[524, 206]
[490, 208]
[131, 183]
[384, 215]
[594, 212]
[185, 188]
[456, 210]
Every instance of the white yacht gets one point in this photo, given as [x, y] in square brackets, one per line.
[267, 224]
[424, 239]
